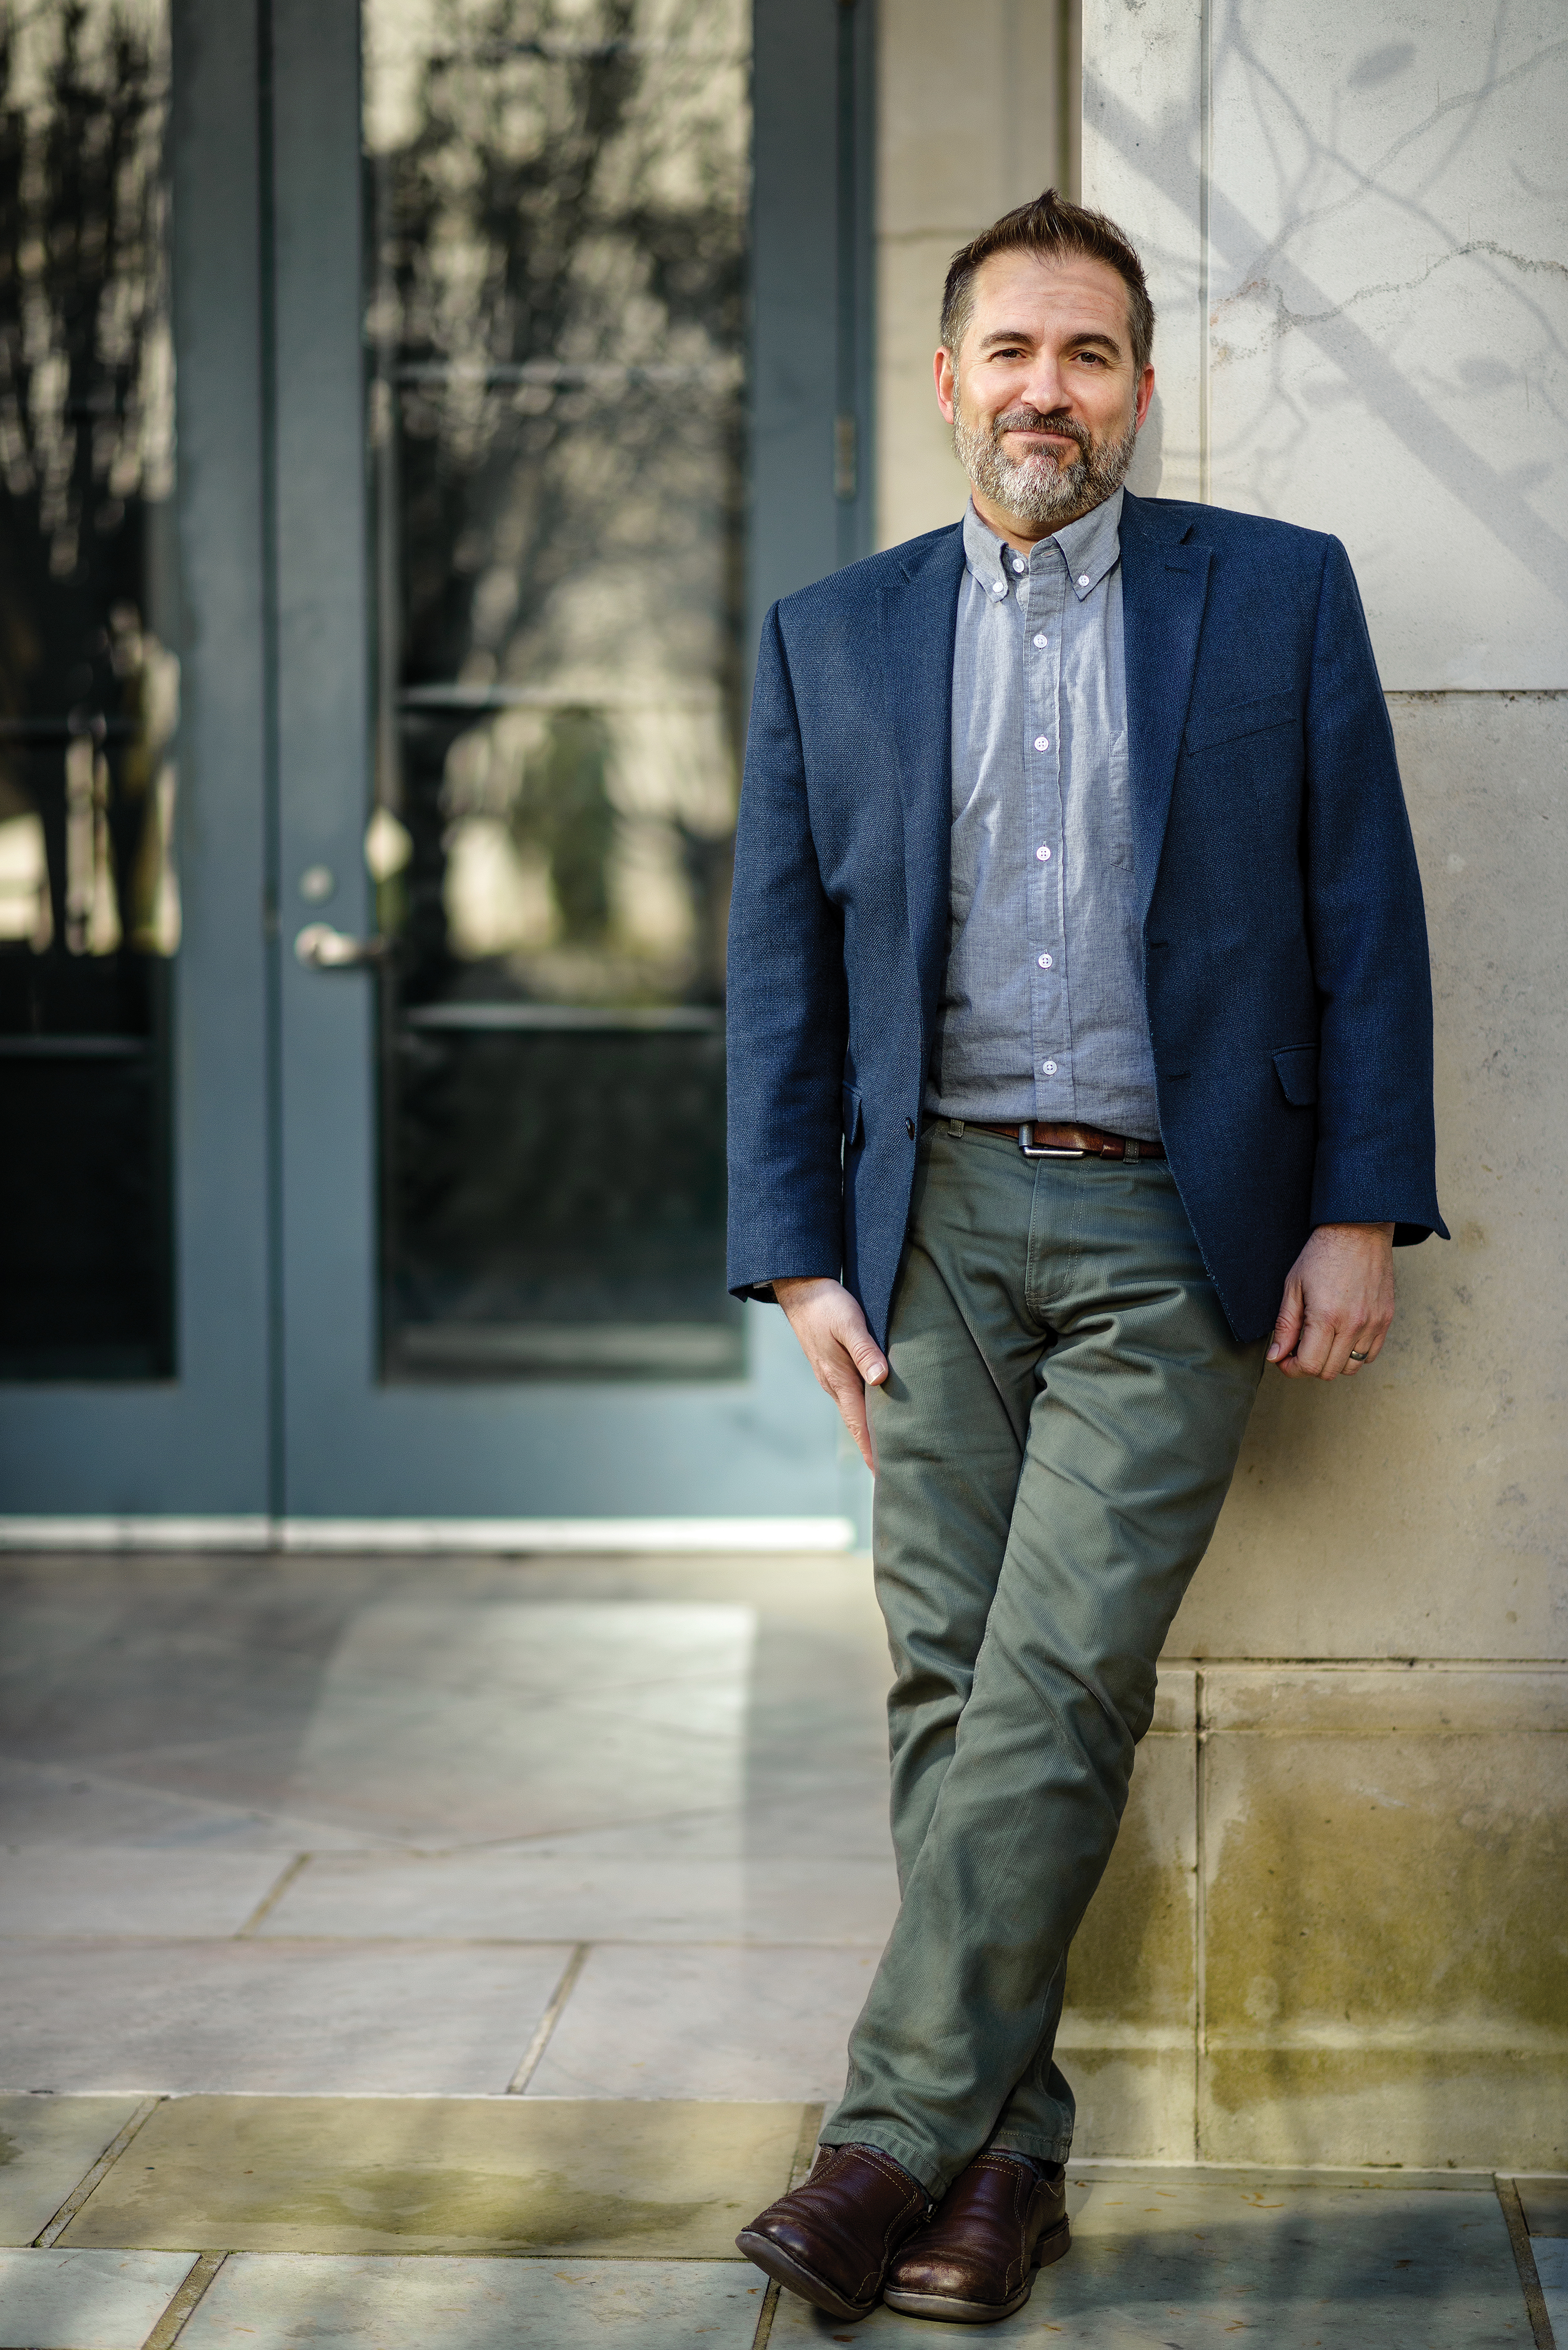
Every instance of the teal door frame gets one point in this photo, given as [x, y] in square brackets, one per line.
[276, 1413]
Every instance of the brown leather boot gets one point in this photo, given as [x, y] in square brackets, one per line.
[975, 2260]
[831, 2240]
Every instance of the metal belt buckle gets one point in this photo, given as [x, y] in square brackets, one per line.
[1047, 1149]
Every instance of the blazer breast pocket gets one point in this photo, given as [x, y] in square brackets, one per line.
[1209, 728]
[1296, 1067]
[853, 1126]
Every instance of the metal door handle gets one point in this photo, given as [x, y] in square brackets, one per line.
[321, 947]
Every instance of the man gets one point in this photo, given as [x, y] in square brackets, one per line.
[1080, 1059]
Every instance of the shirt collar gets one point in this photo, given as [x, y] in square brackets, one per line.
[1091, 546]
[1087, 548]
[989, 558]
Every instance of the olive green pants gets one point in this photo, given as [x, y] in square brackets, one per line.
[1059, 1422]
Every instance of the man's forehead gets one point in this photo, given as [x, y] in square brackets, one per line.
[1047, 286]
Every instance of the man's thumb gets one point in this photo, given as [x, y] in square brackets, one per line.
[1287, 1329]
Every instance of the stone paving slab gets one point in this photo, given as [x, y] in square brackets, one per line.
[70, 1804]
[1551, 2268]
[707, 2022]
[665, 2180]
[336, 2018]
[1544, 2202]
[526, 1718]
[63, 2300]
[55, 1889]
[47, 2145]
[558, 1893]
[1198, 2265]
[256, 2303]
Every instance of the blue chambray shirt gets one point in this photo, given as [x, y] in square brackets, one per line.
[1041, 1013]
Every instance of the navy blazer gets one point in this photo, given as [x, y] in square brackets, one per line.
[1285, 981]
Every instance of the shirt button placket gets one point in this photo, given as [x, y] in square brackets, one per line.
[1048, 739]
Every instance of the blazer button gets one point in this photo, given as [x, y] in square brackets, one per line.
[909, 1128]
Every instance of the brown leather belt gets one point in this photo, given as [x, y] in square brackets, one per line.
[1039, 1140]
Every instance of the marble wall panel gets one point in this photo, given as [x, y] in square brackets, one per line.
[1127, 2037]
[1354, 225]
[1385, 1920]
[1420, 1510]
[1388, 307]
[1144, 145]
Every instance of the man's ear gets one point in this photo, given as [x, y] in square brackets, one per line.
[1144, 394]
[947, 382]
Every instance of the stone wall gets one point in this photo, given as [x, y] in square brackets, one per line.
[1335, 1931]
[977, 111]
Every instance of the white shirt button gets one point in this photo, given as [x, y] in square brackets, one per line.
[1000, 588]
[1043, 855]
[1044, 962]
[1041, 741]
[1041, 642]
[1049, 1067]
[1018, 563]
[1083, 578]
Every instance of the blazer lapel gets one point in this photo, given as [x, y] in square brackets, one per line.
[1165, 580]
[919, 617]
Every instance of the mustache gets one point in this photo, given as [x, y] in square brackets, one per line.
[1030, 420]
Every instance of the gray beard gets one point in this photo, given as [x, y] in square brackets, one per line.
[1038, 489]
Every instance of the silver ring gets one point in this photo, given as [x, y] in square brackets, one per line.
[1358, 1358]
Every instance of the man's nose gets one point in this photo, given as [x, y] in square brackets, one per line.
[1043, 389]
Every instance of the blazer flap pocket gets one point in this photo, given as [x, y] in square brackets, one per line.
[851, 1113]
[1214, 726]
[1297, 1066]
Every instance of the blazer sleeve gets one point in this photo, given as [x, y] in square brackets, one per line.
[787, 1017]
[1367, 930]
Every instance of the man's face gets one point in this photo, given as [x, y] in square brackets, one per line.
[1043, 396]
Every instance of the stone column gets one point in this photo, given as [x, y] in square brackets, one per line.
[977, 111]
[1334, 1931]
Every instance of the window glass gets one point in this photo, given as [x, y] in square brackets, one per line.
[556, 329]
[89, 906]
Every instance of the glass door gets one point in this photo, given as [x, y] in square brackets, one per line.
[566, 388]
[557, 255]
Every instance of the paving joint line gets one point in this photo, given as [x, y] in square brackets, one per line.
[1524, 2261]
[800, 2162]
[766, 2316]
[805, 2153]
[548, 2020]
[270, 1899]
[95, 2176]
[172, 2322]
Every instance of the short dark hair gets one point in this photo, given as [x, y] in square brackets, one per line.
[1050, 226]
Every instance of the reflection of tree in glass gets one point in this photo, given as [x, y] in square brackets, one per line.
[86, 692]
[565, 812]
[558, 308]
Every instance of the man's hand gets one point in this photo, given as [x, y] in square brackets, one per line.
[838, 1347]
[1338, 1302]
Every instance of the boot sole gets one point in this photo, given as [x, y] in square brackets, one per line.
[775, 2263]
[948, 2308]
